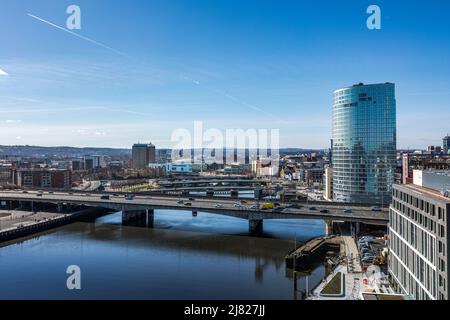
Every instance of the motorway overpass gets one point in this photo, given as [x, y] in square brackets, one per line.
[145, 205]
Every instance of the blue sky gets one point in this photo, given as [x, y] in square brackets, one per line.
[231, 64]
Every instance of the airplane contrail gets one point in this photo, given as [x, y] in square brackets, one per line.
[3, 73]
[228, 96]
[78, 35]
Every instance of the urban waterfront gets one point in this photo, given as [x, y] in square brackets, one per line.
[182, 257]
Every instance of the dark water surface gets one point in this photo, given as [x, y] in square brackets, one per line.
[205, 257]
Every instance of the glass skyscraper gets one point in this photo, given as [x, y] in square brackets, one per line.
[364, 143]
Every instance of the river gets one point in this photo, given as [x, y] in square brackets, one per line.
[183, 257]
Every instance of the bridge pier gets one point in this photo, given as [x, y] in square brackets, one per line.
[60, 207]
[136, 218]
[234, 194]
[255, 226]
[329, 227]
[150, 218]
[210, 194]
[194, 213]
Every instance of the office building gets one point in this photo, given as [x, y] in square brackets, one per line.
[418, 235]
[143, 155]
[446, 144]
[94, 162]
[364, 143]
[78, 164]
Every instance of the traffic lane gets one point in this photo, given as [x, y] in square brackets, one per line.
[207, 204]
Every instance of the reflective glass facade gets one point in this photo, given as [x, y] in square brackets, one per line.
[364, 143]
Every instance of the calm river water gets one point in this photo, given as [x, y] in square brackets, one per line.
[182, 257]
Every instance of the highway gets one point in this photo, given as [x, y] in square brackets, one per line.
[224, 207]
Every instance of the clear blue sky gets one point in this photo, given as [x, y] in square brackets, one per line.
[232, 64]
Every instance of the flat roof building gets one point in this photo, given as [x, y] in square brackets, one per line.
[143, 155]
[418, 236]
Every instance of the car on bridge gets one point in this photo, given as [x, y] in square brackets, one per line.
[191, 199]
[324, 211]
[313, 208]
[348, 210]
[188, 204]
[377, 209]
[268, 206]
[218, 206]
[104, 197]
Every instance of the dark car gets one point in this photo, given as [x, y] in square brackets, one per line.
[191, 199]
[324, 211]
[104, 197]
[295, 206]
[188, 204]
[312, 208]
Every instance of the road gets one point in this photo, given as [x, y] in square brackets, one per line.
[228, 207]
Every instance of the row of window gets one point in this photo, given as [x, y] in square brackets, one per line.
[420, 204]
[408, 282]
[419, 239]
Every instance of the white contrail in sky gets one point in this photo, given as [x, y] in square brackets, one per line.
[228, 96]
[3, 73]
[77, 35]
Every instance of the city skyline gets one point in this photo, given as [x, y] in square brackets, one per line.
[174, 65]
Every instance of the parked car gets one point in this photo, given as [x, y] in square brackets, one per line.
[367, 260]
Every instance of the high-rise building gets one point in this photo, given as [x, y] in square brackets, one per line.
[364, 143]
[419, 247]
[446, 144]
[143, 155]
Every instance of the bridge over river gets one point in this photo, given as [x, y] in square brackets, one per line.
[142, 207]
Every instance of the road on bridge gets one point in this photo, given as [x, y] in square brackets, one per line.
[231, 207]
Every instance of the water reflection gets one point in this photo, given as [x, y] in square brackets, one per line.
[207, 257]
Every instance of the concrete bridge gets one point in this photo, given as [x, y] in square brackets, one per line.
[141, 208]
